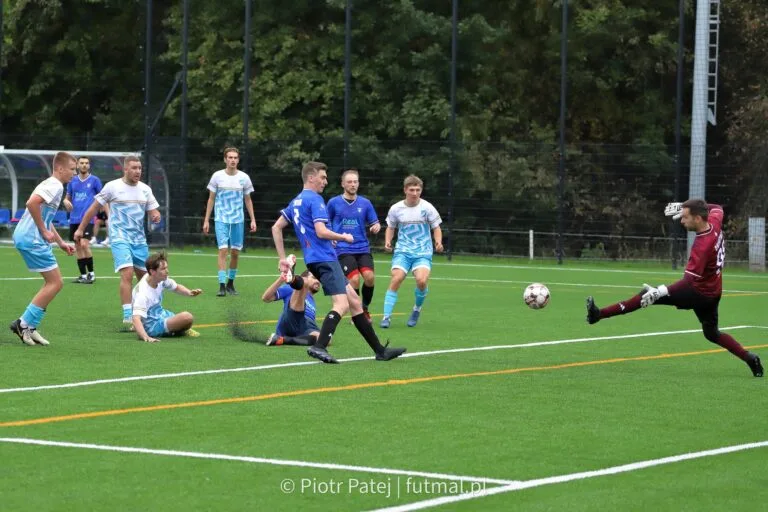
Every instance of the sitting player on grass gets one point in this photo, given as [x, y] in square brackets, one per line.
[150, 320]
[296, 325]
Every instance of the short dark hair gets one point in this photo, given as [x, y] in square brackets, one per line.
[84, 158]
[351, 170]
[697, 207]
[305, 273]
[154, 261]
[312, 168]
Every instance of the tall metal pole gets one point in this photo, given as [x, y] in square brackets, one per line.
[246, 83]
[696, 185]
[347, 76]
[674, 226]
[454, 59]
[2, 35]
[147, 89]
[561, 169]
[184, 109]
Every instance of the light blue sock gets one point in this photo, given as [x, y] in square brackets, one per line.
[232, 274]
[390, 298]
[32, 316]
[222, 276]
[420, 297]
[127, 312]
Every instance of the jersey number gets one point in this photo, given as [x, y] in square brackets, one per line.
[720, 254]
[296, 221]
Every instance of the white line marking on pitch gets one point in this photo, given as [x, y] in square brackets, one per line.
[257, 460]
[528, 484]
[432, 278]
[355, 359]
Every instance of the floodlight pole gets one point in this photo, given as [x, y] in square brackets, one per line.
[347, 76]
[147, 88]
[561, 168]
[452, 170]
[246, 83]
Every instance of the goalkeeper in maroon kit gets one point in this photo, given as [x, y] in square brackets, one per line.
[702, 283]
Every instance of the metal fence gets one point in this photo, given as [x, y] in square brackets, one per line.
[490, 195]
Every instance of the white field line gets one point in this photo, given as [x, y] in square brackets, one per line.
[476, 265]
[355, 359]
[431, 278]
[257, 460]
[528, 484]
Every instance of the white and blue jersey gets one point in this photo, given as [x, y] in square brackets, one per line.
[353, 217]
[414, 226]
[82, 193]
[128, 204]
[230, 192]
[148, 304]
[306, 209]
[35, 250]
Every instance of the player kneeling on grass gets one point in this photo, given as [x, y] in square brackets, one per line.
[296, 325]
[150, 320]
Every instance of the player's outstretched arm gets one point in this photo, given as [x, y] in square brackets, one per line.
[269, 294]
[326, 234]
[183, 290]
[87, 216]
[277, 236]
[141, 332]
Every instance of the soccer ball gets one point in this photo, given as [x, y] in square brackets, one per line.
[536, 296]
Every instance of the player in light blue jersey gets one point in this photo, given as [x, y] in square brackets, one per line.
[354, 214]
[32, 238]
[81, 192]
[308, 215]
[416, 221]
[128, 199]
[227, 190]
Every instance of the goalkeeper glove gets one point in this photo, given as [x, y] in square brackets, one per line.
[674, 210]
[652, 294]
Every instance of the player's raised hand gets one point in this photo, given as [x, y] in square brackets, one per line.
[674, 210]
[206, 227]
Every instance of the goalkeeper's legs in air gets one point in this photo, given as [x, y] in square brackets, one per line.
[708, 316]
[595, 314]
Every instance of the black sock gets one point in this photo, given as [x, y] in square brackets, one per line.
[297, 283]
[366, 329]
[306, 340]
[330, 323]
[367, 296]
[89, 264]
[81, 266]
[230, 283]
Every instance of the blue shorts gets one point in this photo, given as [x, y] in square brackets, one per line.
[129, 255]
[230, 235]
[38, 257]
[156, 326]
[295, 323]
[408, 263]
[330, 275]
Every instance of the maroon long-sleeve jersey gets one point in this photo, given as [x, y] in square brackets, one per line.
[705, 265]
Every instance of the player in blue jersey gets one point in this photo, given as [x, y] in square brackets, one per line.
[308, 215]
[81, 192]
[296, 325]
[228, 189]
[32, 238]
[354, 214]
[413, 218]
[128, 199]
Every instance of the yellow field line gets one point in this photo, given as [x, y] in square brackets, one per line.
[252, 322]
[350, 387]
